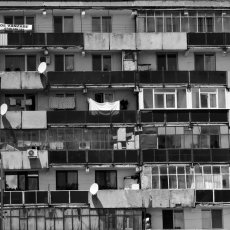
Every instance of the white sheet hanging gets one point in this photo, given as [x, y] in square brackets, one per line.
[105, 108]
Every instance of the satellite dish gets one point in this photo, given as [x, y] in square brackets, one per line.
[42, 67]
[4, 109]
[94, 189]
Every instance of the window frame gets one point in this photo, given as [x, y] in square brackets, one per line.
[64, 62]
[104, 177]
[108, 29]
[63, 23]
[174, 211]
[208, 94]
[27, 176]
[204, 55]
[166, 61]
[211, 211]
[25, 56]
[102, 62]
[66, 179]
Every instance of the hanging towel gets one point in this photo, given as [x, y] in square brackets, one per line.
[105, 108]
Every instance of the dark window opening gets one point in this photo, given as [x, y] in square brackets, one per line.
[106, 179]
[67, 180]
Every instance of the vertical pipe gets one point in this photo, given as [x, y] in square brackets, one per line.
[2, 190]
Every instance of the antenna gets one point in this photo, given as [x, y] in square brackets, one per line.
[42, 67]
[4, 109]
[94, 189]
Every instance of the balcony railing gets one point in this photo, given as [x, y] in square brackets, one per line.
[185, 155]
[45, 197]
[94, 157]
[133, 77]
[87, 117]
[202, 115]
[213, 196]
[208, 39]
[43, 39]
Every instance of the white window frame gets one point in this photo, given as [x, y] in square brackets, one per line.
[209, 98]
[165, 100]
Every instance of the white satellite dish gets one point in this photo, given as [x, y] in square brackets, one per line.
[94, 189]
[42, 67]
[4, 109]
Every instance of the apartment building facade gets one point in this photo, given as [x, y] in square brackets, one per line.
[135, 98]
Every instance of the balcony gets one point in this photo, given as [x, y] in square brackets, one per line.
[45, 197]
[87, 117]
[94, 157]
[208, 39]
[21, 80]
[130, 78]
[142, 198]
[57, 79]
[213, 196]
[24, 120]
[185, 155]
[41, 39]
[17, 160]
[201, 115]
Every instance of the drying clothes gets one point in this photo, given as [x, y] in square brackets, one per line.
[105, 108]
[62, 102]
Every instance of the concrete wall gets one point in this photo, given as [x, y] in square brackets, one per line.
[47, 179]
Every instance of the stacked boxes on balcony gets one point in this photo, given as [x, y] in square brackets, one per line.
[135, 98]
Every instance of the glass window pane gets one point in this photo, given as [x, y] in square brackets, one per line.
[72, 181]
[204, 100]
[30, 21]
[150, 24]
[164, 182]
[57, 24]
[210, 24]
[178, 219]
[159, 24]
[176, 24]
[181, 182]
[141, 24]
[69, 62]
[170, 101]
[155, 182]
[96, 24]
[8, 20]
[22, 182]
[148, 98]
[213, 101]
[217, 181]
[172, 182]
[217, 219]
[32, 183]
[15, 62]
[31, 63]
[168, 24]
[199, 62]
[226, 24]
[59, 63]
[225, 181]
[201, 24]
[61, 180]
[68, 24]
[208, 182]
[161, 62]
[181, 98]
[199, 181]
[19, 20]
[210, 62]
[172, 62]
[159, 100]
[106, 63]
[96, 62]
[184, 24]
[106, 25]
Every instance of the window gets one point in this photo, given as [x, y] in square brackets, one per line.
[17, 102]
[63, 24]
[102, 24]
[19, 20]
[173, 219]
[205, 62]
[166, 62]
[208, 98]
[21, 181]
[64, 62]
[103, 97]
[212, 219]
[164, 98]
[101, 62]
[106, 179]
[66, 180]
[20, 62]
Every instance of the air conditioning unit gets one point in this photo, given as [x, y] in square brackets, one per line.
[84, 145]
[32, 153]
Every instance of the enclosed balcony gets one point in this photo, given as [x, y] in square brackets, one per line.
[41, 39]
[94, 157]
[209, 39]
[45, 197]
[90, 117]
